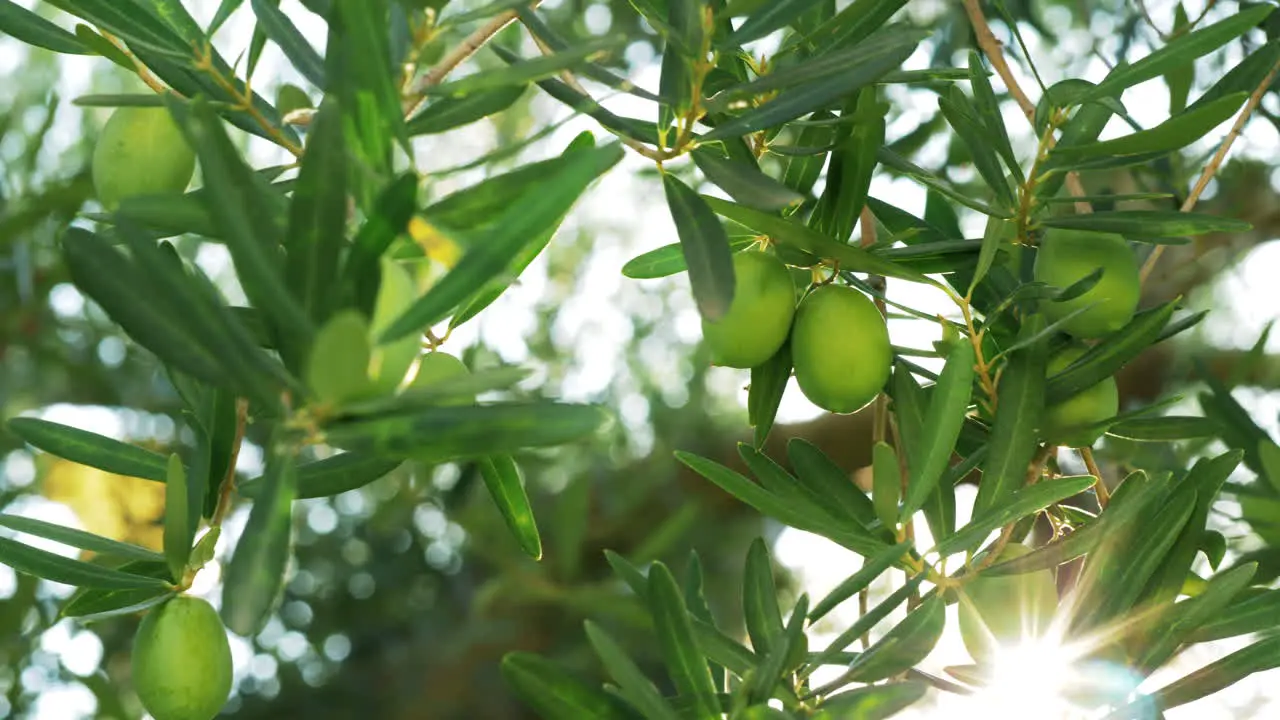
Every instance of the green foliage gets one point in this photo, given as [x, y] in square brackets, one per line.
[353, 263]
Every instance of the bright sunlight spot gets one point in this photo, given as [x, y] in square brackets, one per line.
[1030, 680]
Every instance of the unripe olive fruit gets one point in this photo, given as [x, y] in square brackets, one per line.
[437, 367]
[182, 661]
[759, 317]
[1006, 609]
[141, 152]
[389, 363]
[338, 366]
[291, 97]
[1067, 422]
[840, 349]
[1068, 256]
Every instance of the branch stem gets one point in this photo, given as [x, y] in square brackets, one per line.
[1215, 163]
[458, 55]
[994, 50]
[1099, 487]
[228, 486]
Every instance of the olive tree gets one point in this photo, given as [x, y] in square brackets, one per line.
[767, 126]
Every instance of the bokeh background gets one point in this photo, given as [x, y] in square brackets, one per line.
[406, 593]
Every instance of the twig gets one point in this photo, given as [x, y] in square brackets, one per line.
[1146, 15]
[1215, 163]
[1034, 471]
[143, 73]
[987, 383]
[1100, 487]
[204, 62]
[993, 49]
[864, 603]
[1203, 13]
[458, 55]
[228, 485]
[568, 77]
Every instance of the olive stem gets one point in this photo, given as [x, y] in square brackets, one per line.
[228, 486]
[980, 363]
[1099, 487]
[1215, 163]
[863, 605]
[204, 62]
[458, 55]
[1146, 15]
[569, 79]
[992, 48]
[143, 73]
[1034, 471]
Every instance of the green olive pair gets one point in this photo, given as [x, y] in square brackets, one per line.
[1066, 257]
[839, 341]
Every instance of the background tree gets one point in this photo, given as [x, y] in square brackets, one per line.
[407, 591]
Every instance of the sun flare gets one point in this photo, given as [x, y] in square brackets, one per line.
[1028, 680]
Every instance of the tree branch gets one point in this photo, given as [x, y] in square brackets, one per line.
[228, 486]
[994, 50]
[459, 55]
[1215, 163]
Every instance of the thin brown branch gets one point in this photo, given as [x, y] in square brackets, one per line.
[994, 50]
[1034, 471]
[1036, 468]
[458, 55]
[228, 486]
[1099, 487]
[1215, 163]
[1146, 15]
[143, 73]
[864, 597]
[244, 100]
[569, 79]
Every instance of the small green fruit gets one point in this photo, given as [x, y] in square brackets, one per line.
[437, 367]
[338, 369]
[182, 661]
[389, 363]
[1068, 256]
[1067, 423]
[1006, 609]
[141, 152]
[840, 349]
[756, 325]
[291, 97]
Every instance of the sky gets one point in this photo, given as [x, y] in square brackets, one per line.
[595, 324]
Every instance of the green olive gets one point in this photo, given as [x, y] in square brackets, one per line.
[141, 152]
[338, 366]
[1068, 256]
[1006, 609]
[435, 368]
[1067, 422]
[291, 97]
[182, 661]
[389, 363]
[759, 317]
[840, 349]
